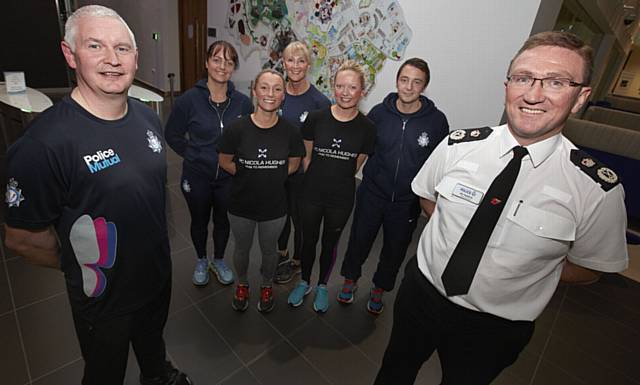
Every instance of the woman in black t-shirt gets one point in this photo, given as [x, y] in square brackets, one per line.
[260, 151]
[337, 140]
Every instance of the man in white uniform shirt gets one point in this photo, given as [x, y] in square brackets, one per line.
[562, 219]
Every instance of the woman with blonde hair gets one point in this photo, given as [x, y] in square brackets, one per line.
[301, 98]
[337, 141]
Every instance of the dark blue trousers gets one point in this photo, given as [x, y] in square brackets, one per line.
[208, 200]
[398, 221]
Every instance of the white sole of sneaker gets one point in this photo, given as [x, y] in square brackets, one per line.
[302, 300]
[348, 301]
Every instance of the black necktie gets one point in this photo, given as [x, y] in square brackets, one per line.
[462, 265]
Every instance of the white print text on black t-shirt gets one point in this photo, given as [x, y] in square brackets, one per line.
[101, 160]
[333, 153]
[261, 164]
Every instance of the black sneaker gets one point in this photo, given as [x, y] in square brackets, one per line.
[172, 377]
[266, 302]
[286, 271]
[240, 300]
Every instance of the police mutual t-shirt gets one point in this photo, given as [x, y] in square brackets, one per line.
[262, 161]
[330, 178]
[101, 184]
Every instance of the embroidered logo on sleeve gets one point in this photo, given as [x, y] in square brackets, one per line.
[13, 196]
[423, 140]
[186, 187]
[94, 243]
[154, 143]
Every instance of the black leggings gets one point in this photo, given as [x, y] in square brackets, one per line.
[207, 200]
[334, 221]
[294, 188]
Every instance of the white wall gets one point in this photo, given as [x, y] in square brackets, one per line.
[468, 45]
[156, 58]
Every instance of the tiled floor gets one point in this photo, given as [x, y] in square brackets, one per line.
[587, 334]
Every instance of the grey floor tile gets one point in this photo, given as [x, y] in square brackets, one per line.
[177, 240]
[609, 299]
[70, 374]
[242, 377]
[524, 368]
[5, 294]
[582, 366]
[285, 318]
[282, 365]
[12, 365]
[550, 374]
[505, 378]
[602, 324]
[197, 349]
[33, 283]
[353, 322]
[175, 199]
[179, 300]
[333, 355]
[49, 336]
[594, 343]
[430, 373]
[173, 174]
[248, 333]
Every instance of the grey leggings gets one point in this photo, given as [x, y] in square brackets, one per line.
[268, 232]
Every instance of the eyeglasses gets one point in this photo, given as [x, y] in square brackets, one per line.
[553, 84]
[219, 62]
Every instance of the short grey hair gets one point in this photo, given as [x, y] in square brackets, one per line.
[71, 26]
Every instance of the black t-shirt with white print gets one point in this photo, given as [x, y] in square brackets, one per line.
[262, 157]
[101, 184]
[330, 178]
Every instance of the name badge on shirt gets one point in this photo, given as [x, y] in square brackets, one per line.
[467, 193]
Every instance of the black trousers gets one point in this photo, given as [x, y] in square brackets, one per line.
[105, 344]
[398, 221]
[208, 200]
[294, 191]
[332, 221]
[473, 347]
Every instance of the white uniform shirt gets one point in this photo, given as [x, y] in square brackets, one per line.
[554, 210]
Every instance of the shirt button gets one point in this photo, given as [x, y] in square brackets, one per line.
[539, 227]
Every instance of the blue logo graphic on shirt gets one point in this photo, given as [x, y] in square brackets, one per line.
[101, 160]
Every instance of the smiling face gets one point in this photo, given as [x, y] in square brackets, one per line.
[219, 66]
[269, 92]
[348, 89]
[105, 60]
[535, 113]
[296, 65]
[410, 84]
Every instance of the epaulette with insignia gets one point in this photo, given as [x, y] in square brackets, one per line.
[598, 171]
[469, 135]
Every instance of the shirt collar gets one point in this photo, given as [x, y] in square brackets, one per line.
[538, 152]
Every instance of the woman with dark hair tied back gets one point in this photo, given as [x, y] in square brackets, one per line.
[198, 119]
[260, 151]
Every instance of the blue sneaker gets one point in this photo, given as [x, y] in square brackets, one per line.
[222, 271]
[375, 305]
[321, 302]
[298, 293]
[346, 294]
[201, 272]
